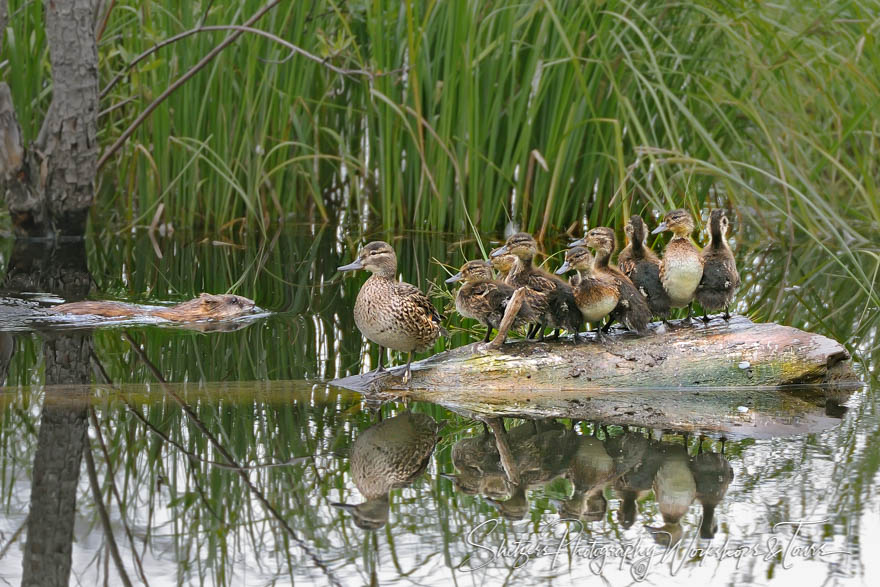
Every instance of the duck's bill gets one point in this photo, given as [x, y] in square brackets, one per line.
[564, 268]
[578, 243]
[344, 506]
[499, 251]
[454, 278]
[351, 266]
[660, 228]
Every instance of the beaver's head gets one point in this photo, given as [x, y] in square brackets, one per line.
[220, 306]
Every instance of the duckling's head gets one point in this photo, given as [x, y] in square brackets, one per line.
[679, 221]
[718, 225]
[473, 271]
[635, 229]
[602, 239]
[502, 262]
[577, 258]
[377, 257]
[520, 244]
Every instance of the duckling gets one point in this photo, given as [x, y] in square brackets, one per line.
[390, 313]
[632, 308]
[674, 490]
[485, 299]
[595, 294]
[502, 262]
[551, 298]
[388, 455]
[720, 277]
[642, 266]
[681, 268]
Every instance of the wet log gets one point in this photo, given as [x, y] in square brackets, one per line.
[720, 376]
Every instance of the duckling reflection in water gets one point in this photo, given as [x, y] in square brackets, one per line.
[535, 447]
[391, 313]
[720, 278]
[674, 490]
[712, 475]
[681, 268]
[643, 457]
[590, 469]
[385, 456]
[485, 299]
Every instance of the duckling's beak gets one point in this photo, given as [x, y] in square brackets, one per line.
[564, 268]
[581, 242]
[344, 506]
[499, 251]
[454, 278]
[660, 228]
[358, 264]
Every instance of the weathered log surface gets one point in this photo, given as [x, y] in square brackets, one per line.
[723, 376]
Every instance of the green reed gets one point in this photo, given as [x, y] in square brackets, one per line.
[546, 114]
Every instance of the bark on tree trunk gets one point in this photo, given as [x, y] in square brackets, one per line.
[49, 185]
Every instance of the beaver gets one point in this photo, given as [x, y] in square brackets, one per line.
[205, 307]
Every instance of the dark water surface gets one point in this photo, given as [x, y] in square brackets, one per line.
[222, 456]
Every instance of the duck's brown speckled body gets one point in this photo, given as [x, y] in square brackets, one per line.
[551, 298]
[485, 299]
[632, 307]
[681, 268]
[642, 266]
[720, 278]
[391, 313]
[385, 456]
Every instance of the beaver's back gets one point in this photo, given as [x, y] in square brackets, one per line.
[204, 307]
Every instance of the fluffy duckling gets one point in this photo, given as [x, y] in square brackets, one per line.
[390, 313]
[632, 308]
[485, 299]
[720, 277]
[642, 266]
[501, 262]
[681, 268]
[595, 294]
[551, 298]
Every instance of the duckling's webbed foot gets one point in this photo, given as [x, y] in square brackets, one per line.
[727, 313]
[706, 318]
[608, 324]
[380, 368]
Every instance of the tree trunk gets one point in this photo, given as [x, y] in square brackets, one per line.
[49, 185]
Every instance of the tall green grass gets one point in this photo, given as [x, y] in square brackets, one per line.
[547, 114]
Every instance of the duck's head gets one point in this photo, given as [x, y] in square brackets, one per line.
[377, 257]
[473, 271]
[502, 262]
[521, 244]
[576, 258]
[635, 229]
[718, 225]
[678, 221]
[601, 239]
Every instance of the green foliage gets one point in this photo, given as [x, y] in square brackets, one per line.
[548, 114]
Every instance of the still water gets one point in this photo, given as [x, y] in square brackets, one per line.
[167, 456]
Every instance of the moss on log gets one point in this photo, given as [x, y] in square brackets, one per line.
[719, 376]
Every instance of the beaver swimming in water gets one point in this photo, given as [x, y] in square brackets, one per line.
[205, 307]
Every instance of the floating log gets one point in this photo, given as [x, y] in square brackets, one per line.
[723, 376]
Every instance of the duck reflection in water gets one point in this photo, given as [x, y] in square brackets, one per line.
[590, 469]
[674, 490]
[637, 481]
[533, 457]
[388, 455]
